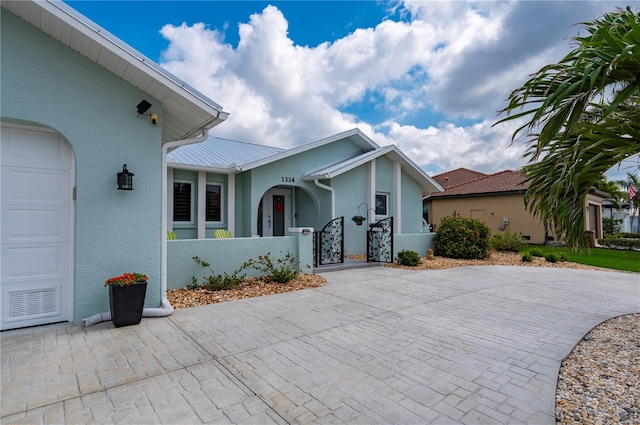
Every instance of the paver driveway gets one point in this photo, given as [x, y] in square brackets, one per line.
[468, 345]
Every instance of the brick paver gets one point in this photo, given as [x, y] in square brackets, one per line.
[377, 345]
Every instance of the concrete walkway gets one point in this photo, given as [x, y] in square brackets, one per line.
[373, 346]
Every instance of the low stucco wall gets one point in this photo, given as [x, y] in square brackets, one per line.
[227, 255]
[418, 242]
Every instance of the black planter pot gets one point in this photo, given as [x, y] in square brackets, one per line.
[126, 304]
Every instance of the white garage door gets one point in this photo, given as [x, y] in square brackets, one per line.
[36, 227]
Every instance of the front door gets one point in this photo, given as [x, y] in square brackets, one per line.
[37, 216]
[276, 212]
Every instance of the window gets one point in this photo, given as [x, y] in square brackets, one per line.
[382, 203]
[182, 197]
[213, 204]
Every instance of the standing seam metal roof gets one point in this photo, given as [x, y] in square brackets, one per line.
[217, 151]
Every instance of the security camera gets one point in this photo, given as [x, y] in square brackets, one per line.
[153, 119]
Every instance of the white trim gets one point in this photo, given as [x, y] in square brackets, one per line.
[222, 203]
[397, 197]
[231, 203]
[191, 215]
[201, 225]
[362, 140]
[371, 192]
[375, 204]
[169, 188]
[333, 196]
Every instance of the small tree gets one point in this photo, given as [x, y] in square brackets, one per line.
[459, 237]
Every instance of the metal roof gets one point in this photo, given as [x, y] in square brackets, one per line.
[185, 111]
[220, 154]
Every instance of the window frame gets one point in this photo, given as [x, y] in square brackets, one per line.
[386, 206]
[192, 216]
[222, 205]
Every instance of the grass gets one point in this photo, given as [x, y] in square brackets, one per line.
[600, 257]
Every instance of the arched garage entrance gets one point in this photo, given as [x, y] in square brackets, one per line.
[36, 206]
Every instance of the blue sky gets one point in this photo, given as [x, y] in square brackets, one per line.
[428, 77]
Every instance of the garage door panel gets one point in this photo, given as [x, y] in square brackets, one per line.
[20, 225]
[31, 186]
[36, 149]
[34, 262]
[33, 302]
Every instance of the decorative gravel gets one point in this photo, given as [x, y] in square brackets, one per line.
[598, 383]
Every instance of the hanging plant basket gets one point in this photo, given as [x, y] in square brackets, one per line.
[358, 219]
[126, 303]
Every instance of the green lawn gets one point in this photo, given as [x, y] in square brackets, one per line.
[600, 257]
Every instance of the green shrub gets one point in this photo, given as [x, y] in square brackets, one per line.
[527, 257]
[628, 235]
[610, 225]
[408, 258]
[458, 237]
[507, 241]
[554, 257]
[536, 252]
[216, 282]
[620, 243]
[282, 270]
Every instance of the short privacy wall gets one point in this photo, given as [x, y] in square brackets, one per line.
[227, 255]
[418, 242]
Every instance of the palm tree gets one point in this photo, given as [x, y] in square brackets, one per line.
[583, 118]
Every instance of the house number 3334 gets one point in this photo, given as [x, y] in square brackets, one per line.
[288, 180]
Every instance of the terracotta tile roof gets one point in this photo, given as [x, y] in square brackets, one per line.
[456, 177]
[501, 182]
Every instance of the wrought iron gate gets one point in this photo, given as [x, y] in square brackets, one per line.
[328, 244]
[380, 241]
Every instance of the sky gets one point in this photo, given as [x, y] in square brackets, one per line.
[427, 76]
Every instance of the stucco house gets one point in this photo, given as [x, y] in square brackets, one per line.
[261, 191]
[498, 201]
[76, 105]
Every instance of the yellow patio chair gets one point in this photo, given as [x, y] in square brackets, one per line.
[222, 234]
[171, 236]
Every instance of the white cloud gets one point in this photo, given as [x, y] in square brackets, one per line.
[460, 59]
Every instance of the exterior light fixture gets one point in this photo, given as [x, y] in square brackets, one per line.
[143, 107]
[306, 231]
[125, 179]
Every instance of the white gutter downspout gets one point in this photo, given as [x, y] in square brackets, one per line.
[333, 196]
[165, 307]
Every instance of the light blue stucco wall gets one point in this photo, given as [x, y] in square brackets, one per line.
[411, 205]
[271, 175]
[224, 255]
[45, 83]
[351, 191]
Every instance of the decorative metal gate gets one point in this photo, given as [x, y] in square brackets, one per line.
[328, 244]
[380, 241]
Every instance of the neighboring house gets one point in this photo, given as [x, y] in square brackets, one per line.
[498, 201]
[70, 94]
[623, 214]
[255, 190]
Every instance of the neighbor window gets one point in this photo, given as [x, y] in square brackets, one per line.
[382, 203]
[214, 202]
[182, 201]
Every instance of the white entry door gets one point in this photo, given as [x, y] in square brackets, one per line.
[276, 212]
[36, 169]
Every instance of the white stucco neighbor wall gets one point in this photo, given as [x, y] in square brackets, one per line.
[46, 84]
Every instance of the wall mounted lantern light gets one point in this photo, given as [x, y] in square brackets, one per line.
[143, 107]
[125, 179]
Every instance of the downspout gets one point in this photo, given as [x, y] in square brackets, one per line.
[333, 196]
[165, 308]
